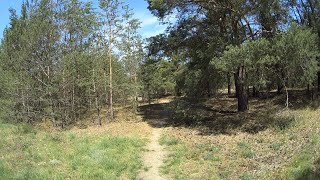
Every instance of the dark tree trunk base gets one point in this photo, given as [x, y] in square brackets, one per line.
[318, 82]
[229, 84]
[242, 90]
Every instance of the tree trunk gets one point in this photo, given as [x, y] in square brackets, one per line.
[96, 97]
[105, 86]
[136, 103]
[110, 68]
[78, 95]
[64, 101]
[73, 101]
[236, 84]
[254, 91]
[241, 87]
[111, 89]
[53, 117]
[287, 95]
[149, 96]
[310, 91]
[279, 88]
[24, 107]
[229, 84]
[318, 82]
[208, 88]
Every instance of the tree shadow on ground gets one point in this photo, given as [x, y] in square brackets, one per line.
[155, 114]
[219, 115]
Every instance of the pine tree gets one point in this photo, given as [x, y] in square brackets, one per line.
[132, 52]
[111, 20]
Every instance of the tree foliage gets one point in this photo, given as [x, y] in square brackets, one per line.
[53, 60]
[256, 42]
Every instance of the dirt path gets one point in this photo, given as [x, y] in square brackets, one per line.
[156, 116]
[153, 158]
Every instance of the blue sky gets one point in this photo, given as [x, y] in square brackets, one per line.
[150, 25]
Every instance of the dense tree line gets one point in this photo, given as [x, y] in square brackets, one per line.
[61, 58]
[261, 45]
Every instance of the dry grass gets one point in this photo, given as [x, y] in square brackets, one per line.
[131, 129]
[126, 123]
[208, 140]
[204, 151]
[29, 153]
[81, 151]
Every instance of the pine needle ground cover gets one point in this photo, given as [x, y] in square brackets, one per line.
[94, 153]
[276, 144]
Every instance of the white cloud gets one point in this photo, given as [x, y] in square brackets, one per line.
[146, 18]
[147, 21]
[150, 25]
[158, 29]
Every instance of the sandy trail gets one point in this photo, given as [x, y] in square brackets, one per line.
[156, 116]
[153, 158]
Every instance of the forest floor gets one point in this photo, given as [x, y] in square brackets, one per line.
[209, 139]
[173, 138]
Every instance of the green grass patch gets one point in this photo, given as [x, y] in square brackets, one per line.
[315, 139]
[246, 176]
[275, 146]
[225, 174]
[305, 165]
[186, 161]
[209, 151]
[27, 153]
[168, 141]
[285, 120]
[5, 172]
[173, 163]
[246, 150]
